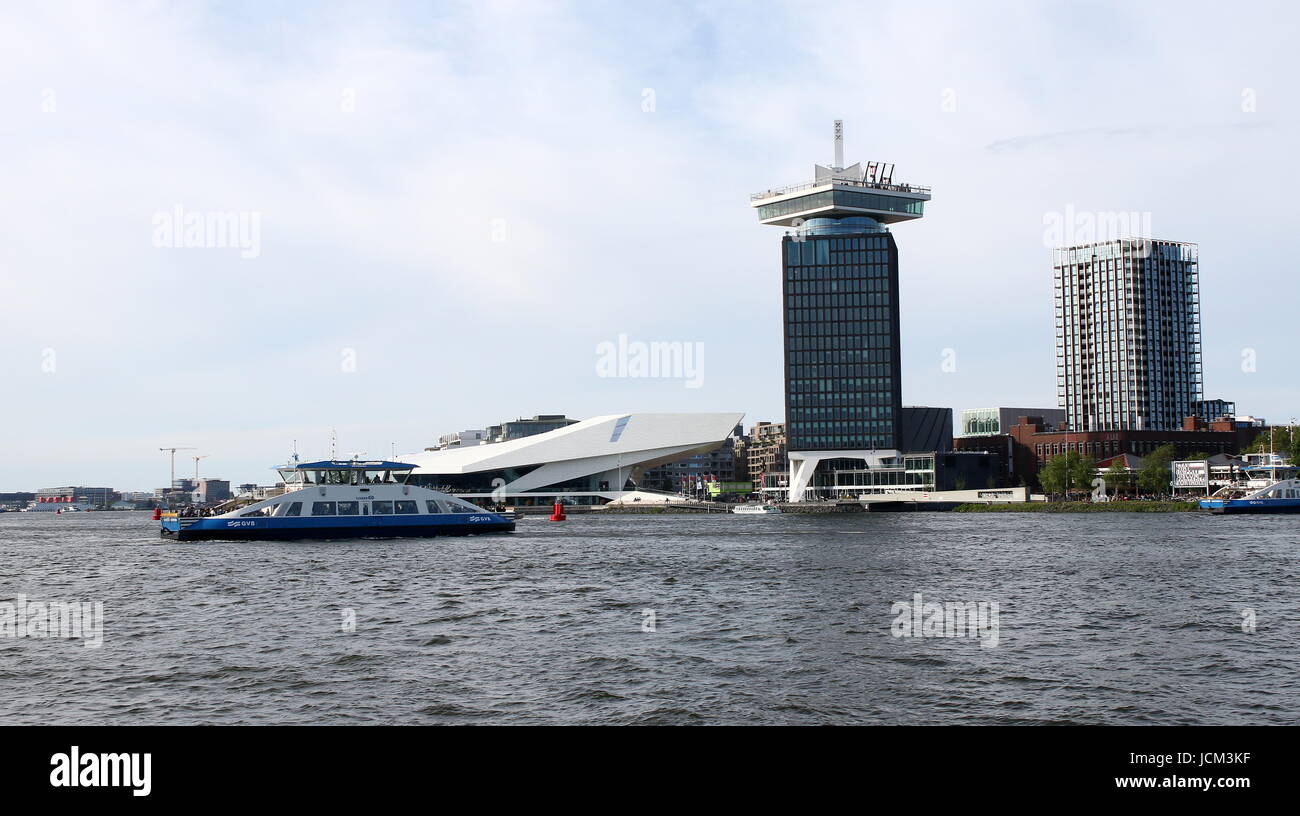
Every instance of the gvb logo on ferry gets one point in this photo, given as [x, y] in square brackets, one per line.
[179, 228]
[92, 770]
[677, 360]
[977, 620]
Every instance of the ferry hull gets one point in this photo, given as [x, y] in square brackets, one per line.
[1233, 507]
[217, 530]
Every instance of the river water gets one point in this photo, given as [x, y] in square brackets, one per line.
[1101, 619]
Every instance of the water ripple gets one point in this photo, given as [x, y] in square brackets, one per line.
[1124, 619]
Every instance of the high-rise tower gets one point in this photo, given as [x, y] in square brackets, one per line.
[1128, 334]
[843, 399]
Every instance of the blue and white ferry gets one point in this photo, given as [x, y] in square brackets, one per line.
[342, 499]
[1271, 487]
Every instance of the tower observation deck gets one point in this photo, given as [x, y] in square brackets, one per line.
[839, 192]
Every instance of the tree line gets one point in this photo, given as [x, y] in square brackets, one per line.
[1072, 472]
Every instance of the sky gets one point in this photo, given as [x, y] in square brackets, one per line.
[443, 210]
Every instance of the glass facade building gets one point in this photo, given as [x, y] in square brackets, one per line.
[993, 421]
[841, 341]
[1212, 409]
[839, 286]
[1128, 334]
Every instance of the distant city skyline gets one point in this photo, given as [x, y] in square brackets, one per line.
[232, 231]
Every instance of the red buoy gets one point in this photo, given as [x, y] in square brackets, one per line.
[157, 513]
[557, 512]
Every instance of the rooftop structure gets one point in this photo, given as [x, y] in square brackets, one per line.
[837, 192]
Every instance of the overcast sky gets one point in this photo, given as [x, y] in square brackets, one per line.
[457, 203]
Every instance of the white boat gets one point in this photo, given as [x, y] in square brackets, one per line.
[57, 508]
[756, 510]
[342, 499]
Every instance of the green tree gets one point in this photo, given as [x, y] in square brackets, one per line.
[1117, 476]
[1082, 472]
[1198, 456]
[1277, 439]
[1154, 475]
[1061, 473]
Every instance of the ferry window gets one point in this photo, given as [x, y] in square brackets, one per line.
[349, 508]
[463, 507]
[432, 504]
[322, 508]
[383, 508]
[407, 507]
[261, 511]
[295, 509]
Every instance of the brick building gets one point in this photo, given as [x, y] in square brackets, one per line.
[1030, 443]
[765, 453]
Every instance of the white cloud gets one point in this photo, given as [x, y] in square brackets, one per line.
[525, 121]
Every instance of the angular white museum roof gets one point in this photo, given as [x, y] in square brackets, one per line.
[596, 445]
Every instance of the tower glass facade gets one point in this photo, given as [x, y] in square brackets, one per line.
[839, 282]
[1128, 334]
[841, 340]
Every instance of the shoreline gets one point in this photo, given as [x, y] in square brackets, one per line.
[818, 508]
[1081, 507]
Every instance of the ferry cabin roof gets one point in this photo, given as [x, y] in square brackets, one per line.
[345, 472]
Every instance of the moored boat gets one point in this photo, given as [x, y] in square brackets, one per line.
[756, 510]
[1266, 488]
[57, 508]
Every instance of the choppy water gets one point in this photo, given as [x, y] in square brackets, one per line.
[1116, 619]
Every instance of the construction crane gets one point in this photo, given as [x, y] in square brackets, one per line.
[173, 449]
[196, 465]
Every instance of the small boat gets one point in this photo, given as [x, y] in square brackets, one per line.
[1267, 488]
[756, 509]
[57, 508]
[341, 499]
